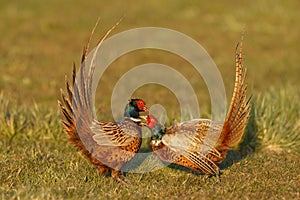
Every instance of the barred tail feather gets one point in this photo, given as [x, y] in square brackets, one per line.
[76, 108]
[238, 114]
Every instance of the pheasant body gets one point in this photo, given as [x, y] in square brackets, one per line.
[107, 145]
[200, 144]
[180, 145]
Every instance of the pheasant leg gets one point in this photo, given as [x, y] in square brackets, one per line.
[103, 169]
[119, 176]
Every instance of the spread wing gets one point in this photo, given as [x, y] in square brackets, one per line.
[191, 134]
[187, 139]
[114, 134]
[195, 139]
[79, 118]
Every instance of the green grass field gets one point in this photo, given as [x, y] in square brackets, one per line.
[41, 39]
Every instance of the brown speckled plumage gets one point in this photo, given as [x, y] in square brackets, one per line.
[107, 145]
[200, 144]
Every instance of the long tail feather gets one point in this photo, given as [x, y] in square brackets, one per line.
[75, 106]
[238, 114]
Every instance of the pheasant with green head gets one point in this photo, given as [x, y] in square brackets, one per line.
[107, 145]
[200, 144]
[134, 107]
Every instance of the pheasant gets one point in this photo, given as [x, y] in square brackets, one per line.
[107, 145]
[189, 143]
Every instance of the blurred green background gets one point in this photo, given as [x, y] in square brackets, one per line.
[41, 38]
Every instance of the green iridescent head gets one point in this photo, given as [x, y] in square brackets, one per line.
[134, 107]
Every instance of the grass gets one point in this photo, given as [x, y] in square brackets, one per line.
[37, 163]
[39, 36]
[279, 120]
[41, 39]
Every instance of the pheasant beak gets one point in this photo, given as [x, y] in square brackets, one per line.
[145, 109]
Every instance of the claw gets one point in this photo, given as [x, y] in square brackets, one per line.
[124, 180]
[119, 176]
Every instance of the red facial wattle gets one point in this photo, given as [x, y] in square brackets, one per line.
[151, 121]
[142, 105]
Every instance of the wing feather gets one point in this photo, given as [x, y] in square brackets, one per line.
[79, 118]
[187, 139]
[239, 110]
[114, 134]
[195, 139]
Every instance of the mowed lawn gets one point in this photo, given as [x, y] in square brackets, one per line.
[41, 39]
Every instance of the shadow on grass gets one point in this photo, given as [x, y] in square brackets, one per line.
[142, 155]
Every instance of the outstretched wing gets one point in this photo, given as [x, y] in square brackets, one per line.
[239, 110]
[188, 139]
[195, 140]
[114, 134]
[77, 109]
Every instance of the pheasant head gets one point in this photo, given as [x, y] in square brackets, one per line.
[157, 131]
[156, 128]
[134, 107]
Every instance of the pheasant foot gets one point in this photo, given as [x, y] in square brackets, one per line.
[103, 170]
[119, 176]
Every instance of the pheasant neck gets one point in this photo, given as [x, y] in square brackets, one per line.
[131, 111]
[158, 131]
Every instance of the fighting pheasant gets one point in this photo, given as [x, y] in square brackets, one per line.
[192, 143]
[107, 145]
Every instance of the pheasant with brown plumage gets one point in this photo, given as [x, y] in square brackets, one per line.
[107, 145]
[200, 144]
